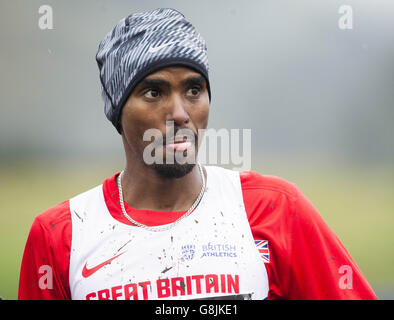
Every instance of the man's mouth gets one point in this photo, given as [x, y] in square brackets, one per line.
[180, 143]
[179, 146]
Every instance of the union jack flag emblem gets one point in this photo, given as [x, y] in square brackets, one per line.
[262, 246]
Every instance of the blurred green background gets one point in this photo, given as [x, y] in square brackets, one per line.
[319, 101]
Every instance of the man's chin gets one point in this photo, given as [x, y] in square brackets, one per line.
[175, 170]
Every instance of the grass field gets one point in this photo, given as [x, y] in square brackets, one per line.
[358, 204]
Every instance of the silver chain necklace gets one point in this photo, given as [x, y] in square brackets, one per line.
[168, 226]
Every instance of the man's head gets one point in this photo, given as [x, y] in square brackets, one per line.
[141, 44]
[154, 75]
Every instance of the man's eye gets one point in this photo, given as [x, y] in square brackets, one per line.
[152, 93]
[194, 91]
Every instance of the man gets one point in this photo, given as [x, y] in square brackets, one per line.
[171, 229]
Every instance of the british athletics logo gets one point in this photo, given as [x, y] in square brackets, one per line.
[262, 246]
[188, 251]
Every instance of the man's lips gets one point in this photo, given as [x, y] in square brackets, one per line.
[179, 146]
[179, 143]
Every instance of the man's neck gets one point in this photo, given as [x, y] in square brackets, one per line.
[144, 188]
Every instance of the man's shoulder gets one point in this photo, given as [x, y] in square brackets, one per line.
[60, 213]
[52, 225]
[52, 216]
[251, 180]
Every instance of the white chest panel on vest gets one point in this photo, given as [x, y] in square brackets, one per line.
[209, 254]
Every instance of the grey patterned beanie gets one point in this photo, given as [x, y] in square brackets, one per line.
[141, 44]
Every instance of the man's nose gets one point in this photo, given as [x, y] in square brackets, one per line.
[177, 112]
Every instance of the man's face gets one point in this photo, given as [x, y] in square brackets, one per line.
[171, 100]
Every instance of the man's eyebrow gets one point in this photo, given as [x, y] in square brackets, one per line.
[194, 80]
[153, 83]
[146, 83]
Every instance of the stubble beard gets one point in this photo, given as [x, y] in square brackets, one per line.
[175, 170]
